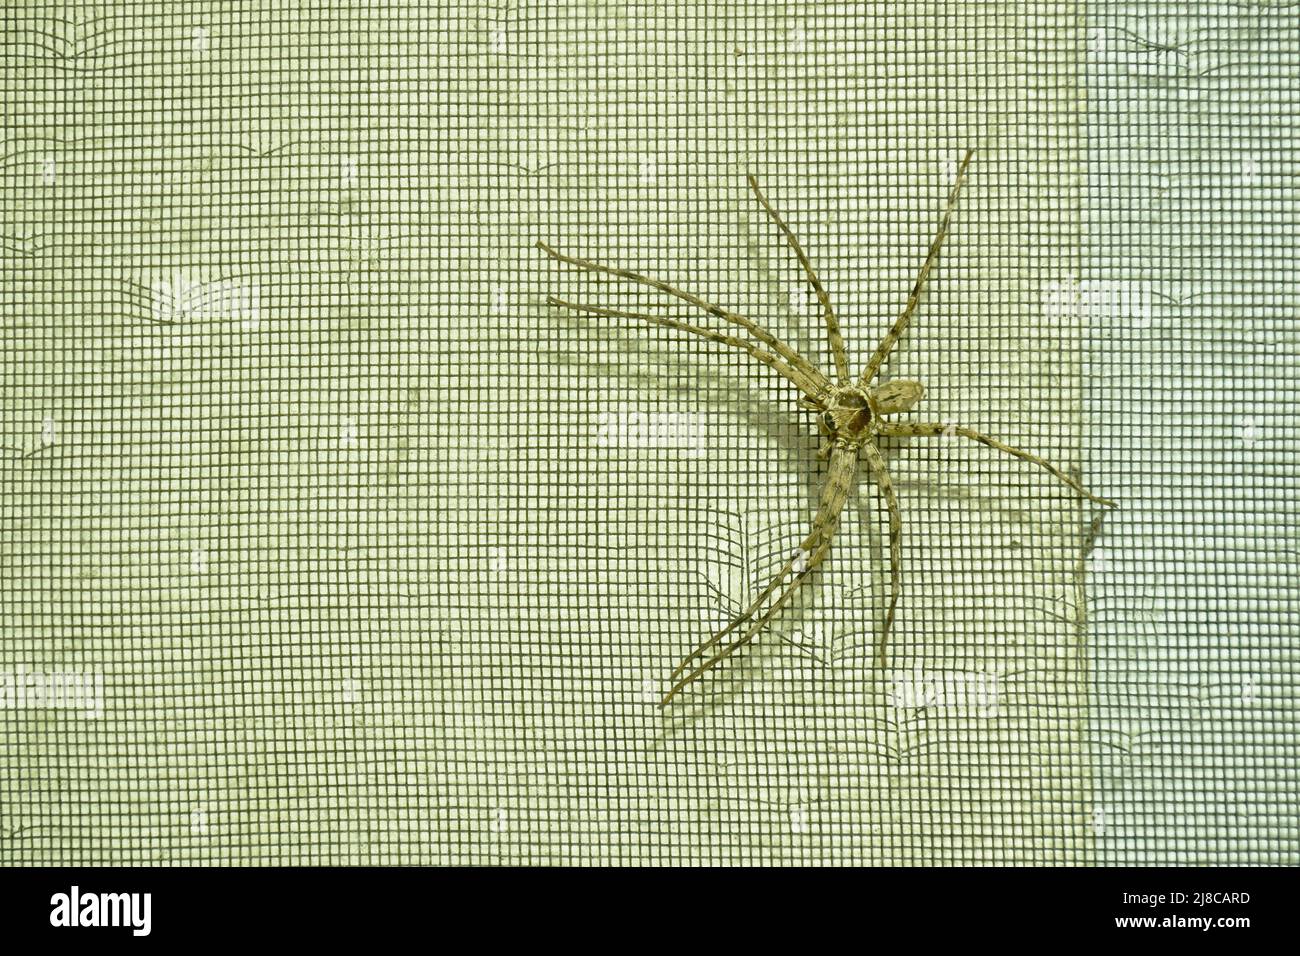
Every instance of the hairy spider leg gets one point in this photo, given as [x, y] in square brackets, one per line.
[887, 343]
[930, 429]
[880, 474]
[832, 323]
[839, 481]
[808, 386]
[750, 634]
[790, 355]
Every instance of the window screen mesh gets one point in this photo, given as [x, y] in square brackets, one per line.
[327, 540]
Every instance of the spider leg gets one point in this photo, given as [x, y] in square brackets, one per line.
[791, 374]
[815, 547]
[740, 619]
[887, 343]
[749, 635]
[771, 341]
[880, 474]
[832, 324]
[930, 429]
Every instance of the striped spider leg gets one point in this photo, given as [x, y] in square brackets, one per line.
[851, 414]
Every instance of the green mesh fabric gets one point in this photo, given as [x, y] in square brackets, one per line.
[324, 539]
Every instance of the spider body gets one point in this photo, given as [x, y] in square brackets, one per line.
[849, 416]
[852, 414]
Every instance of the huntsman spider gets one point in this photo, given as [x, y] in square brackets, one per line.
[851, 413]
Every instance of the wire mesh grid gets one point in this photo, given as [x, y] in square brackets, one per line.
[1190, 296]
[328, 541]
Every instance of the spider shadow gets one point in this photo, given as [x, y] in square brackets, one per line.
[780, 422]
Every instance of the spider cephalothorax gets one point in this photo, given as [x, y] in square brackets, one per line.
[848, 416]
[851, 412]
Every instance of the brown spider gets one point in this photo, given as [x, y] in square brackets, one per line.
[851, 414]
